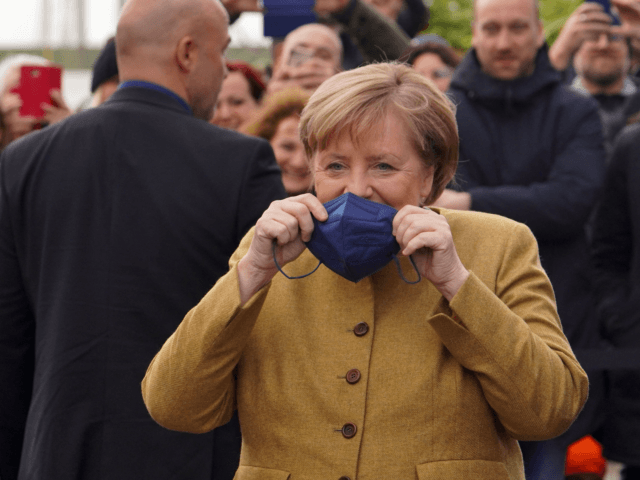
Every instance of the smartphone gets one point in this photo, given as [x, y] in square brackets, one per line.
[36, 81]
[606, 7]
[283, 16]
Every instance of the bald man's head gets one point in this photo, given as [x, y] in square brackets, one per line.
[178, 44]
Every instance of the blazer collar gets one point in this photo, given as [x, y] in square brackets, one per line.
[142, 94]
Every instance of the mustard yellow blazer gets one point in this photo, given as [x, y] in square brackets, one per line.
[378, 380]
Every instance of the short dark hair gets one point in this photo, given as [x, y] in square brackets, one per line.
[447, 54]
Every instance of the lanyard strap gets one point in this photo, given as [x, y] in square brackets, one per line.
[395, 259]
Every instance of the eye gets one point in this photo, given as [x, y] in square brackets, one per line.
[519, 27]
[236, 102]
[384, 167]
[288, 146]
[335, 166]
[490, 29]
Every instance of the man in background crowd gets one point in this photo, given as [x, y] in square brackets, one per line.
[310, 54]
[616, 252]
[531, 150]
[10, 102]
[112, 225]
[601, 57]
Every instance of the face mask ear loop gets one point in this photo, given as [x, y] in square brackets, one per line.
[395, 259]
[273, 250]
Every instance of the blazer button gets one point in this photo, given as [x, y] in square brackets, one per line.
[344, 478]
[349, 430]
[361, 329]
[353, 376]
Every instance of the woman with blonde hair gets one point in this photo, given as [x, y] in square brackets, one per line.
[359, 370]
[277, 122]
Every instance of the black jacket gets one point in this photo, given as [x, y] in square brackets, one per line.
[616, 251]
[113, 224]
[532, 150]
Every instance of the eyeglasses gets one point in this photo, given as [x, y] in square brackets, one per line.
[443, 73]
[611, 37]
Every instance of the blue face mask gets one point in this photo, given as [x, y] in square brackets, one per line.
[356, 240]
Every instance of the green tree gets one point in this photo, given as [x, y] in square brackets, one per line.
[451, 19]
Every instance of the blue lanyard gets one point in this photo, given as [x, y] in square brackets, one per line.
[157, 88]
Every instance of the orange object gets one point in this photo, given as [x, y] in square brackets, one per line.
[585, 456]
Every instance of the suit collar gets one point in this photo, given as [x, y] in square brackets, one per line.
[143, 94]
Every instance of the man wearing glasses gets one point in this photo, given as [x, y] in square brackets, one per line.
[601, 59]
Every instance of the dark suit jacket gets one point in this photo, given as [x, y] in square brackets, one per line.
[113, 224]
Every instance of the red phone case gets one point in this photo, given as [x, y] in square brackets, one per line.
[35, 83]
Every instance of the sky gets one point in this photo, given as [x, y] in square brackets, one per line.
[21, 25]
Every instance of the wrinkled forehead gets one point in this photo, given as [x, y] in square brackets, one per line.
[314, 37]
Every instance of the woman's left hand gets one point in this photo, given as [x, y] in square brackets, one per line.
[427, 236]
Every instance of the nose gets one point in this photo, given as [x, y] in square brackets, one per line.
[603, 40]
[503, 41]
[359, 184]
[223, 110]
[299, 161]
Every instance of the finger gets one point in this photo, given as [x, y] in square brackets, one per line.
[314, 205]
[598, 18]
[433, 241]
[589, 7]
[278, 226]
[58, 99]
[300, 211]
[413, 226]
[399, 219]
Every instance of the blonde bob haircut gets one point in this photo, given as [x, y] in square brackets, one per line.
[355, 101]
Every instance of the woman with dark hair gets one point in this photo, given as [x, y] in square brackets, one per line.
[277, 121]
[435, 60]
[239, 96]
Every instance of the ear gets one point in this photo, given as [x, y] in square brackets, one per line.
[186, 54]
[427, 182]
[474, 33]
[541, 36]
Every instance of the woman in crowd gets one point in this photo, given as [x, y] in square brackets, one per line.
[239, 96]
[435, 59]
[277, 121]
[377, 378]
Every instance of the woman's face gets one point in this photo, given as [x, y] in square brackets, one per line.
[291, 157]
[235, 103]
[431, 66]
[383, 166]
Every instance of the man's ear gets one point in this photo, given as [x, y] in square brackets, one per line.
[186, 54]
[473, 33]
[541, 35]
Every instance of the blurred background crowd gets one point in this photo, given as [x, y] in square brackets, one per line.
[549, 133]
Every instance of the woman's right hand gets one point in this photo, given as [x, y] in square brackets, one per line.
[289, 222]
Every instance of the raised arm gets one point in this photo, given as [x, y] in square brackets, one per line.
[513, 342]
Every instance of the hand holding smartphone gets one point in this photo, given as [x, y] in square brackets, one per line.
[606, 8]
[36, 83]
